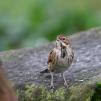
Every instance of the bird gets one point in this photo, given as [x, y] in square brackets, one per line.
[60, 58]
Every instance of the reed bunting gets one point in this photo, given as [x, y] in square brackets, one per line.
[60, 58]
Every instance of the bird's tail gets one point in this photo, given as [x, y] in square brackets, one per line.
[44, 71]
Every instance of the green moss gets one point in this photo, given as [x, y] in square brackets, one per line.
[41, 93]
[36, 93]
[80, 93]
[97, 94]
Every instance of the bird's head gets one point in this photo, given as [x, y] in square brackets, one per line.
[62, 41]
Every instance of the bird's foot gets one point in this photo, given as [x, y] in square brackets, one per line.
[52, 87]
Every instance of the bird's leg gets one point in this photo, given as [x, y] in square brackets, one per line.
[65, 82]
[52, 85]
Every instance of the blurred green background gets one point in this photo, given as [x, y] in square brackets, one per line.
[31, 23]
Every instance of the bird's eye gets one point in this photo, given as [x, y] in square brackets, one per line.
[63, 38]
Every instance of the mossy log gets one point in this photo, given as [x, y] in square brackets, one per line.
[23, 67]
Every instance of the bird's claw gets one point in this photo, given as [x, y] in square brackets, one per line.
[52, 87]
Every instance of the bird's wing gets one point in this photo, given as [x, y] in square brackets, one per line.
[52, 58]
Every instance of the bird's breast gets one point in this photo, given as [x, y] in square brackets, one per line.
[62, 63]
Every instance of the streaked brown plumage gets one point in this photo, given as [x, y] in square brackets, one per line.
[61, 57]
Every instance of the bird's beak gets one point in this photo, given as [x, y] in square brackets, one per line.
[63, 44]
